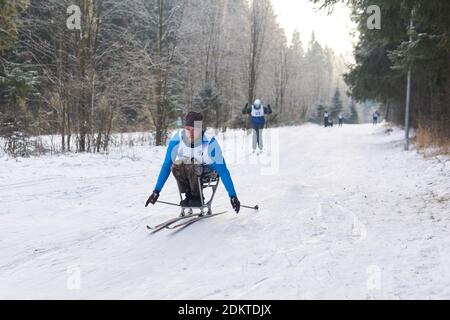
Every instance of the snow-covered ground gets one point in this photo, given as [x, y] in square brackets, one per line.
[345, 213]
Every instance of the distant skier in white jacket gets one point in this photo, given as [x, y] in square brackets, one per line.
[258, 112]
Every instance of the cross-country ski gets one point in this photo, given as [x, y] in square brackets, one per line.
[194, 220]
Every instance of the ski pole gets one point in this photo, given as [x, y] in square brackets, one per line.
[169, 203]
[248, 207]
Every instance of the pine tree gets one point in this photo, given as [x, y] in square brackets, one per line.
[354, 117]
[209, 103]
[8, 22]
[320, 112]
[336, 104]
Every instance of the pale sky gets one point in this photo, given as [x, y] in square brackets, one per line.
[333, 31]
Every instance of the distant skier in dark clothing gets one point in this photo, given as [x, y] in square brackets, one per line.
[192, 154]
[326, 117]
[258, 112]
[375, 116]
[341, 120]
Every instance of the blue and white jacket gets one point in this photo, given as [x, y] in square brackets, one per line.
[209, 154]
[258, 113]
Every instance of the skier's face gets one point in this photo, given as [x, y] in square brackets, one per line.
[193, 133]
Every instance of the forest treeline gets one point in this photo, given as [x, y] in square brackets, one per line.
[384, 57]
[138, 65]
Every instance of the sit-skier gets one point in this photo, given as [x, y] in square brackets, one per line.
[192, 154]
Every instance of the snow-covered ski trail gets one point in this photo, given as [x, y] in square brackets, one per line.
[344, 213]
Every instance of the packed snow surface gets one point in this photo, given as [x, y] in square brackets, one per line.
[345, 213]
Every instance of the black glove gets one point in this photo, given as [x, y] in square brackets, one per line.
[236, 204]
[153, 198]
[245, 110]
[269, 109]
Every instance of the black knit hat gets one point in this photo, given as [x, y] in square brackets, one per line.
[191, 118]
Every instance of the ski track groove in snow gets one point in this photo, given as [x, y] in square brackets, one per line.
[347, 215]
